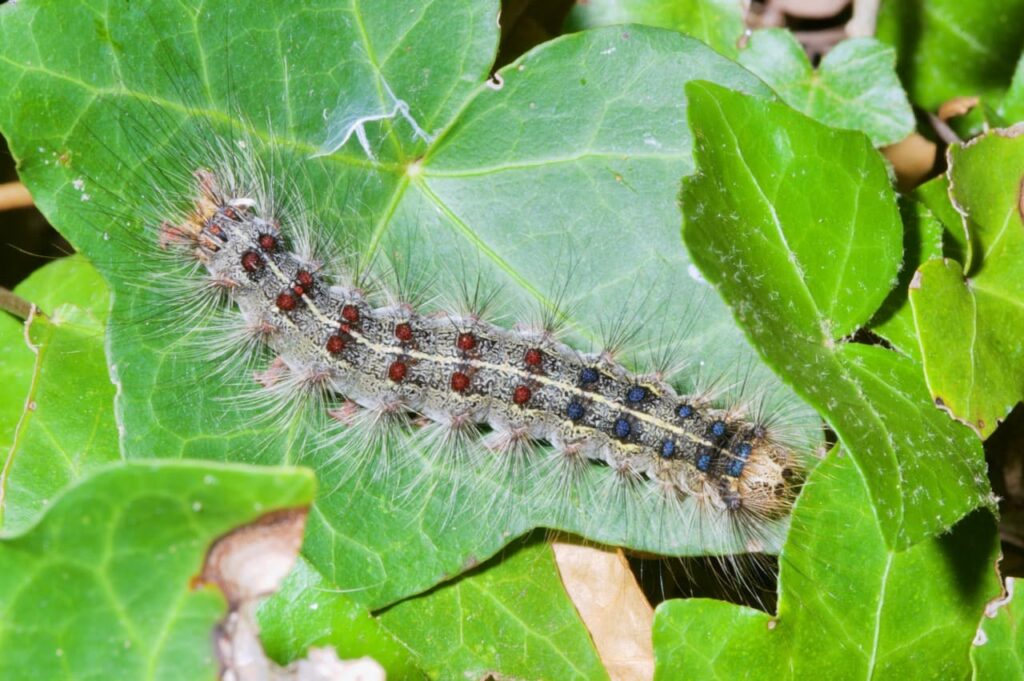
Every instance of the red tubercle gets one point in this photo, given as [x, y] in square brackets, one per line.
[465, 342]
[397, 371]
[350, 313]
[460, 382]
[303, 283]
[268, 242]
[335, 344]
[403, 332]
[286, 301]
[252, 261]
[533, 357]
[521, 395]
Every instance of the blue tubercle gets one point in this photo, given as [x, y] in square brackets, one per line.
[741, 453]
[637, 393]
[668, 448]
[621, 428]
[574, 411]
[703, 462]
[718, 428]
[684, 411]
[589, 375]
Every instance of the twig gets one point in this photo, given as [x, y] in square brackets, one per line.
[14, 195]
[942, 129]
[15, 304]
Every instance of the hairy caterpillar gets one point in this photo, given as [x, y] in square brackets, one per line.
[242, 262]
[194, 165]
[462, 371]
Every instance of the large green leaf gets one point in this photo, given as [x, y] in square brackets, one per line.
[307, 611]
[466, 627]
[1011, 109]
[854, 87]
[922, 240]
[850, 607]
[572, 157]
[65, 418]
[998, 651]
[102, 587]
[509, 617]
[952, 48]
[803, 273]
[970, 319]
[719, 23]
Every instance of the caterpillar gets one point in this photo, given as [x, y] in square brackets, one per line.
[462, 371]
[472, 392]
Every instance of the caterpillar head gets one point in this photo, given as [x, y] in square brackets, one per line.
[762, 477]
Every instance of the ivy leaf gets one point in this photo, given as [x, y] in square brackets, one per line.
[855, 87]
[101, 586]
[308, 611]
[719, 23]
[487, 621]
[802, 276]
[935, 195]
[922, 240]
[998, 651]
[971, 318]
[849, 605]
[568, 149]
[950, 48]
[1011, 109]
[56, 440]
[471, 635]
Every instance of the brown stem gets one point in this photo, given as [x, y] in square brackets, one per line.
[15, 304]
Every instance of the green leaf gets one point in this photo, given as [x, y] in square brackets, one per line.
[998, 651]
[719, 23]
[951, 48]
[308, 611]
[935, 195]
[971, 319]
[50, 287]
[849, 606]
[101, 587]
[508, 618]
[855, 87]
[922, 240]
[581, 144]
[1012, 107]
[66, 426]
[803, 274]
[16, 362]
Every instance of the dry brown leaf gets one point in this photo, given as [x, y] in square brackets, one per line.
[14, 195]
[248, 564]
[612, 606]
[913, 160]
[810, 9]
[958, 106]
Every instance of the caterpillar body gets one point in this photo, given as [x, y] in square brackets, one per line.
[459, 371]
